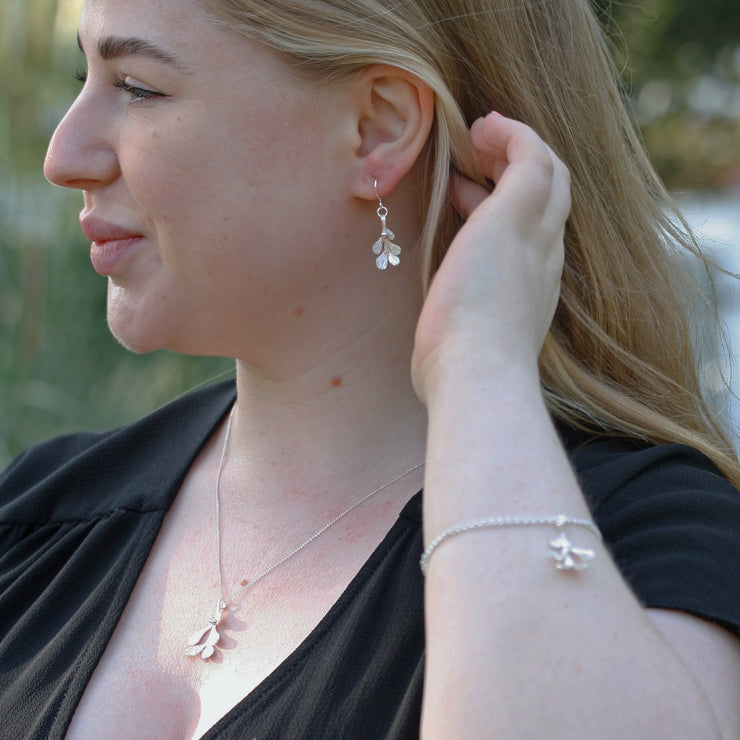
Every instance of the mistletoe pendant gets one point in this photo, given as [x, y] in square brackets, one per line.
[203, 642]
[568, 557]
[386, 250]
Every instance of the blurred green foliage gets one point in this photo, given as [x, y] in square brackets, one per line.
[675, 38]
[680, 63]
[61, 370]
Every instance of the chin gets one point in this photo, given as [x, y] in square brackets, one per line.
[135, 343]
[142, 336]
[137, 334]
[137, 324]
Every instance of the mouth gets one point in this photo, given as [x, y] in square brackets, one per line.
[110, 245]
[107, 256]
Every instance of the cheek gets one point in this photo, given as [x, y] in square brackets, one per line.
[236, 202]
[180, 185]
[192, 168]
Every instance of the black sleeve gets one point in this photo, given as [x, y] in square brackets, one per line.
[78, 517]
[672, 523]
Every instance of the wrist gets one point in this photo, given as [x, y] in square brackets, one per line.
[475, 370]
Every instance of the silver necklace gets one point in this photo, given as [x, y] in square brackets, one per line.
[203, 641]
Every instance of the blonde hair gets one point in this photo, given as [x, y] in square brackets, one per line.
[619, 358]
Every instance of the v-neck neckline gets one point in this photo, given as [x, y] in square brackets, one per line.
[198, 435]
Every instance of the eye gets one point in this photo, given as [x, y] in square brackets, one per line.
[137, 93]
[81, 75]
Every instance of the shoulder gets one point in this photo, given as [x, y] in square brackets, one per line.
[670, 519]
[621, 475]
[88, 474]
[634, 470]
[606, 465]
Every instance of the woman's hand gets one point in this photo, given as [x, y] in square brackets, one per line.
[498, 286]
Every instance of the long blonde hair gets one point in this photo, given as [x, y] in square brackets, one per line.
[619, 358]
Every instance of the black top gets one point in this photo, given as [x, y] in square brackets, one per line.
[79, 515]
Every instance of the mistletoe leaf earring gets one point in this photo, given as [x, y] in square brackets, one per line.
[384, 247]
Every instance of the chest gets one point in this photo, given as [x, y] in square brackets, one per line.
[146, 686]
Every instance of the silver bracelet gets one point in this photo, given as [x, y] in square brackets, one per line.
[564, 553]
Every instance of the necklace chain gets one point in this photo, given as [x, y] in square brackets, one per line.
[203, 641]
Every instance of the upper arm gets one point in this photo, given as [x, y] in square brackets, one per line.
[712, 655]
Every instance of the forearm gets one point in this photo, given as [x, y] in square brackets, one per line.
[517, 648]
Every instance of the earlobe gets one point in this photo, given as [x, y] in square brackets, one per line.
[395, 111]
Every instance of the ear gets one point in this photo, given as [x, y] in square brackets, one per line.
[394, 115]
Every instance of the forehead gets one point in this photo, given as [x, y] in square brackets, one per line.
[180, 29]
[181, 22]
[217, 60]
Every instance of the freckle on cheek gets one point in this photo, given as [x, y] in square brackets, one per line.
[324, 287]
[243, 582]
[298, 311]
[336, 381]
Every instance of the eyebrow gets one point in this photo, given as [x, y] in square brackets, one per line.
[117, 47]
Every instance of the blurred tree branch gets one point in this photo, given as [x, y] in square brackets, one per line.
[681, 66]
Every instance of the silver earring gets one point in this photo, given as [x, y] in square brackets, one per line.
[386, 250]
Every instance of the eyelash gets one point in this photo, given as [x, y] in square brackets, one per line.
[138, 94]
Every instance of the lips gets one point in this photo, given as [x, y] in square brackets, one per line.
[111, 243]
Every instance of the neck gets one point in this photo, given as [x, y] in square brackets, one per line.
[325, 399]
[343, 423]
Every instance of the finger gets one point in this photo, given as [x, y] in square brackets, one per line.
[466, 194]
[503, 138]
[558, 206]
[527, 172]
[490, 154]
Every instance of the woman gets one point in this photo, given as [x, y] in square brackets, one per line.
[246, 563]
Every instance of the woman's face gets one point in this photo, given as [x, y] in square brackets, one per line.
[209, 175]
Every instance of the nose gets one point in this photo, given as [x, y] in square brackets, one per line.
[81, 153]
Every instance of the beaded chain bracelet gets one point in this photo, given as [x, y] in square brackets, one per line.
[564, 553]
